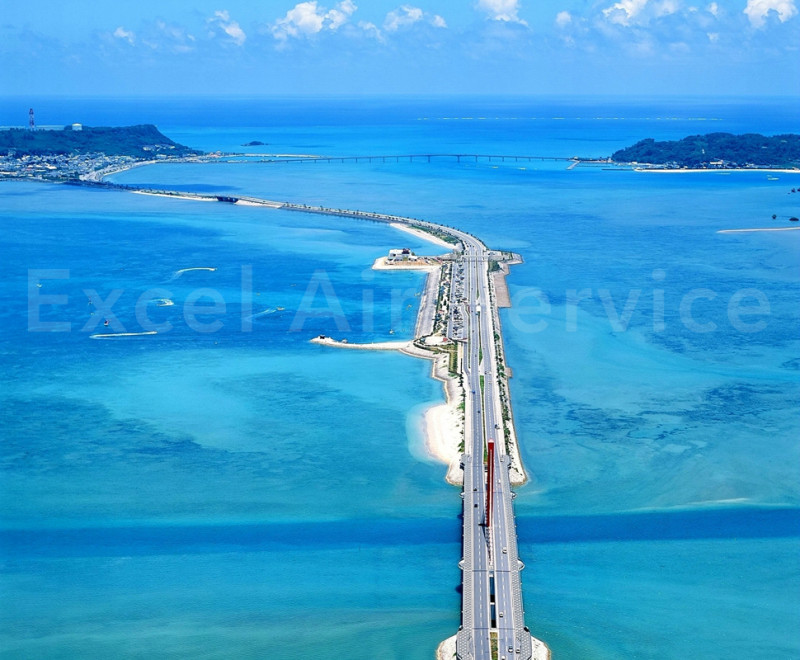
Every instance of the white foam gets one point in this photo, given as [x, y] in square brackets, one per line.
[180, 272]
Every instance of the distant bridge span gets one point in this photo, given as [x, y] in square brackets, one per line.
[285, 158]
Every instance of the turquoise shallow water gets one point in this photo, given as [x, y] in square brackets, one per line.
[243, 493]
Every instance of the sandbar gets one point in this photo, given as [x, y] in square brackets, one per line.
[374, 346]
[741, 231]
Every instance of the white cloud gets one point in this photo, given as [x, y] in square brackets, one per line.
[222, 20]
[713, 9]
[667, 7]
[338, 15]
[563, 18]
[502, 10]
[402, 17]
[624, 11]
[175, 33]
[127, 35]
[406, 15]
[308, 18]
[627, 12]
[757, 10]
[370, 29]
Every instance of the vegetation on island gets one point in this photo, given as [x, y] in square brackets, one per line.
[142, 141]
[716, 150]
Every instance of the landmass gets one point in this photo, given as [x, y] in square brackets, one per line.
[141, 141]
[78, 150]
[255, 143]
[715, 151]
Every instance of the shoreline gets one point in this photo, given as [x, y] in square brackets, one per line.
[425, 236]
[719, 170]
[442, 423]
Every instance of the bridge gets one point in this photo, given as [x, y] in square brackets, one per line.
[394, 158]
[492, 614]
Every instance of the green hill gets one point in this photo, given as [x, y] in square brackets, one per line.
[716, 150]
[142, 141]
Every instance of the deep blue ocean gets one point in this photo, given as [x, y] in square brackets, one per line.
[225, 489]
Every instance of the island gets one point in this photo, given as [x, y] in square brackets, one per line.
[715, 151]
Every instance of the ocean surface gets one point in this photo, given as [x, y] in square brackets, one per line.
[225, 489]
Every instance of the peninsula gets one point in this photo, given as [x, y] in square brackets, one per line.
[141, 141]
[715, 151]
[77, 150]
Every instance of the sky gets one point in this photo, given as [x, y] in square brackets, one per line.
[260, 48]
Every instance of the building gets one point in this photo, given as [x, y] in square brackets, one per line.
[402, 254]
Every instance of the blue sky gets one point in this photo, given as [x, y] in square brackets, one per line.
[267, 47]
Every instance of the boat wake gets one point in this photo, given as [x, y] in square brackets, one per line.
[180, 272]
[115, 335]
[268, 311]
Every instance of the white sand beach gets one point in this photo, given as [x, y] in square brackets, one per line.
[444, 425]
[421, 234]
[375, 346]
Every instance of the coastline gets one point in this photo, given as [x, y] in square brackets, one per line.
[443, 426]
[375, 346]
[425, 236]
[719, 170]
